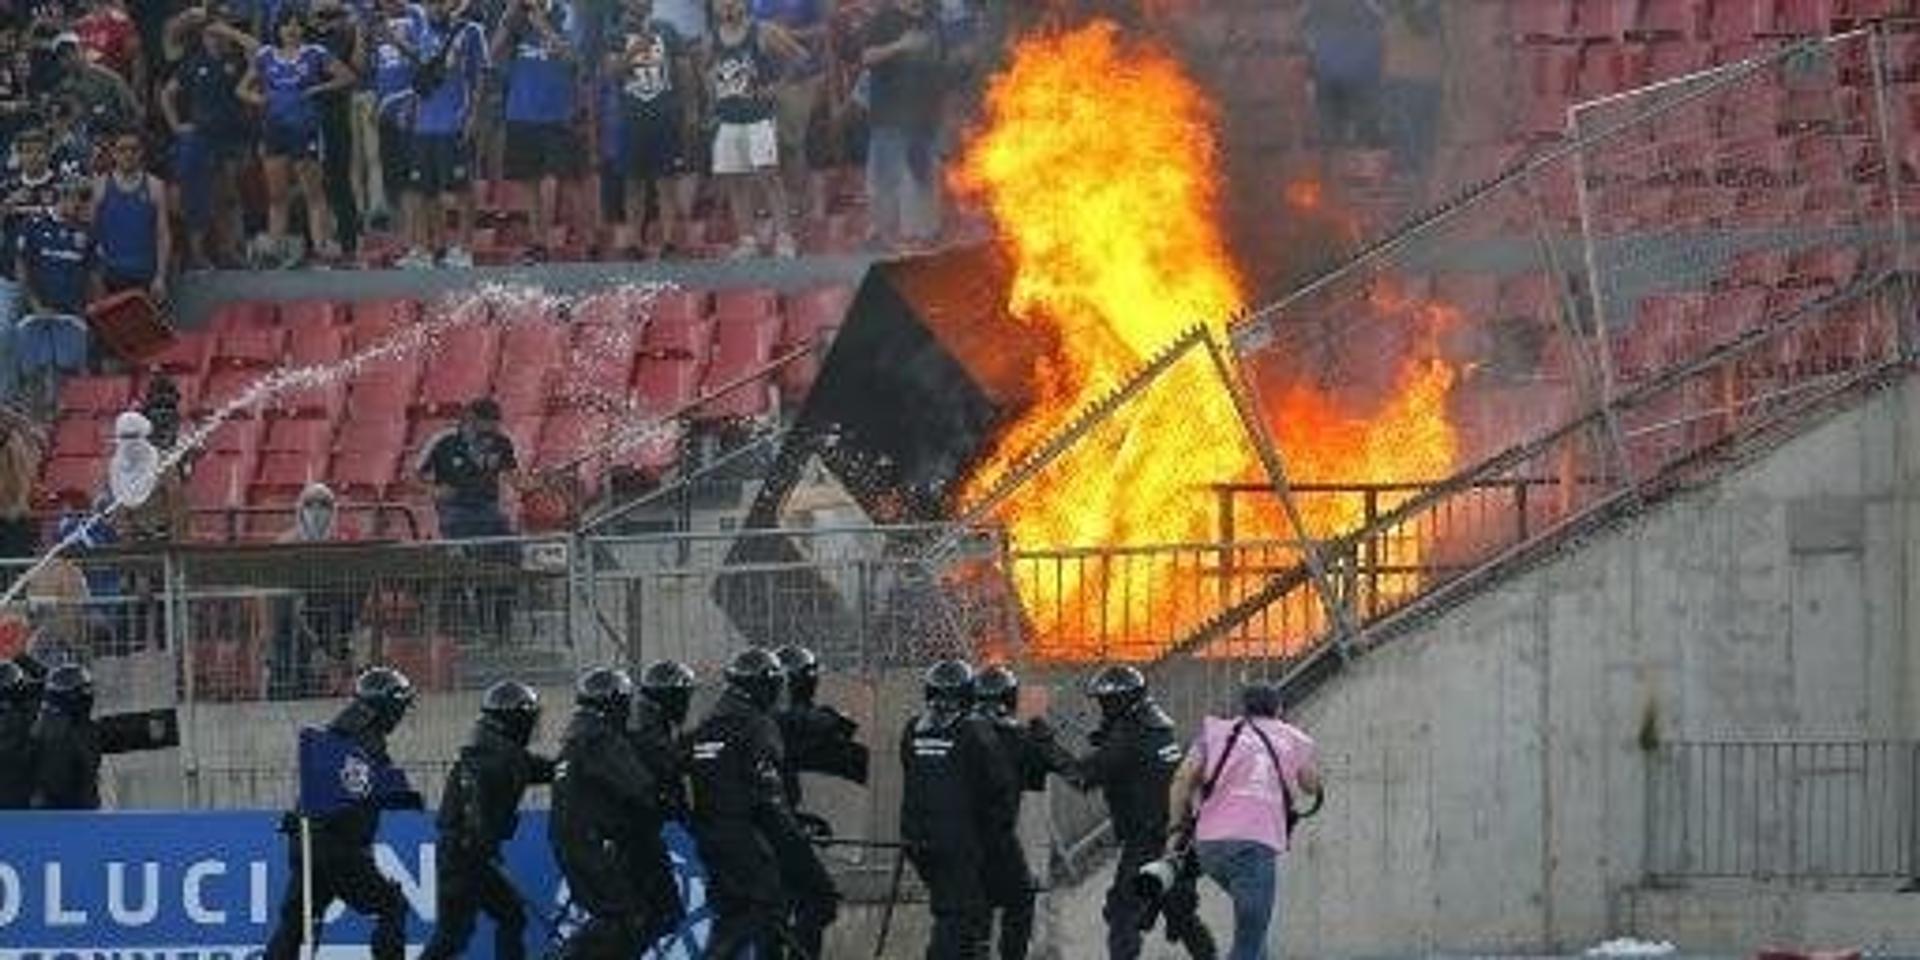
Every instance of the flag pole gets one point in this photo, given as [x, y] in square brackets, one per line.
[306, 887]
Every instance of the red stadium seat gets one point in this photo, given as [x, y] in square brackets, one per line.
[373, 319]
[298, 436]
[316, 344]
[1803, 18]
[599, 365]
[1756, 268]
[1675, 20]
[80, 436]
[95, 396]
[236, 438]
[1730, 314]
[384, 389]
[1731, 21]
[1604, 20]
[745, 303]
[322, 402]
[219, 480]
[360, 436]
[1664, 61]
[253, 348]
[1541, 21]
[663, 385]
[244, 314]
[73, 481]
[570, 434]
[460, 370]
[186, 354]
[1604, 69]
[310, 313]
[681, 338]
[742, 348]
[680, 304]
[365, 474]
[1828, 266]
[285, 473]
[222, 387]
[530, 352]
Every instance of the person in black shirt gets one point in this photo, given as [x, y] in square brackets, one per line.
[465, 466]
[66, 743]
[19, 704]
[201, 105]
[901, 51]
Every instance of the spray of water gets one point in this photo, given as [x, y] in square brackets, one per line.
[626, 426]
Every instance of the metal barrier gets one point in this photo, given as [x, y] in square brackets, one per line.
[1783, 809]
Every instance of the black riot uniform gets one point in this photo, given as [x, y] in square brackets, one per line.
[1030, 752]
[480, 811]
[606, 824]
[666, 693]
[65, 743]
[814, 738]
[19, 706]
[343, 865]
[956, 794]
[767, 884]
[1132, 764]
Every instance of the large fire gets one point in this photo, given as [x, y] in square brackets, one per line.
[1097, 162]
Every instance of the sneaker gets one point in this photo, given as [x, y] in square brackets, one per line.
[414, 259]
[534, 254]
[457, 258]
[784, 247]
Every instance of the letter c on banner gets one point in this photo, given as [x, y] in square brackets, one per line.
[190, 894]
[9, 894]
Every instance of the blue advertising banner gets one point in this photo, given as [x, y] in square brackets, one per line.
[208, 886]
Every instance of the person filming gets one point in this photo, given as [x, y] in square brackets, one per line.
[1240, 791]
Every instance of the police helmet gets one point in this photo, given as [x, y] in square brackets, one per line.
[70, 690]
[15, 686]
[948, 683]
[607, 691]
[997, 689]
[386, 692]
[668, 684]
[1118, 689]
[756, 675]
[803, 672]
[513, 708]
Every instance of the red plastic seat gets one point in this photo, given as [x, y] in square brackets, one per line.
[1604, 20]
[1604, 69]
[1828, 266]
[76, 436]
[316, 344]
[665, 385]
[1802, 18]
[359, 436]
[679, 304]
[251, 348]
[618, 307]
[236, 438]
[460, 369]
[742, 348]
[312, 313]
[384, 389]
[1736, 20]
[373, 319]
[1757, 268]
[530, 352]
[570, 434]
[745, 303]
[244, 314]
[1541, 21]
[186, 354]
[219, 480]
[73, 481]
[95, 396]
[285, 473]
[364, 474]
[298, 436]
[1729, 314]
[222, 387]
[598, 367]
[1675, 20]
[681, 338]
[322, 402]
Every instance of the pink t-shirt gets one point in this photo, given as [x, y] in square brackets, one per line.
[1247, 803]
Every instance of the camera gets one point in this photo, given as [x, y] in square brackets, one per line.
[1156, 879]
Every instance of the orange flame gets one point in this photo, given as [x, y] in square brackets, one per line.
[1097, 162]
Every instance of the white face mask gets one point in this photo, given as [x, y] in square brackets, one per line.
[316, 521]
[133, 470]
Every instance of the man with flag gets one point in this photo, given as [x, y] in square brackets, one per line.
[346, 780]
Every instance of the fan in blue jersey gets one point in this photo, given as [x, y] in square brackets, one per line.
[453, 62]
[540, 40]
[283, 81]
[386, 61]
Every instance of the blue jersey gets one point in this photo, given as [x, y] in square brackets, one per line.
[444, 109]
[391, 71]
[286, 82]
[128, 224]
[57, 260]
[539, 82]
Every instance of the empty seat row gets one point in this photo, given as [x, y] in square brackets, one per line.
[1574, 21]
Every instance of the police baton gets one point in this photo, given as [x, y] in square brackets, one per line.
[893, 899]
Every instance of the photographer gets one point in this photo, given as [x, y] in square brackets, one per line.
[1236, 790]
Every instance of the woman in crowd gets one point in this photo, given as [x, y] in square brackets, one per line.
[285, 80]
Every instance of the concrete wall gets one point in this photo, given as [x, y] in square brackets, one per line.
[1487, 778]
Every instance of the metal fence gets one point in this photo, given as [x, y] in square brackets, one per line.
[1772, 809]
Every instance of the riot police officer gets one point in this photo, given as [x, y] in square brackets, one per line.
[666, 693]
[605, 827]
[66, 743]
[762, 872]
[479, 812]
[19, 706]
[955, 796]
[1030, 752]
[1132, 764]
[815, 738]
[343, 867]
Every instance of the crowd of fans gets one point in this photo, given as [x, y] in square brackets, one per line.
[273, 133]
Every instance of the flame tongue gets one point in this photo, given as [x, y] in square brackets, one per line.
[1097, 163]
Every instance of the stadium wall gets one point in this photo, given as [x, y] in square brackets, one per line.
[1488, 769]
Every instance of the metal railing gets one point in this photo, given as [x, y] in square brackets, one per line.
[1783, 809]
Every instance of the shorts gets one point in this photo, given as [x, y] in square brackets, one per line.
[653, 147]
[396, 153]
[198, 162]
[745, 147]
[440, 164]
[292, 141]
[538, 150]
